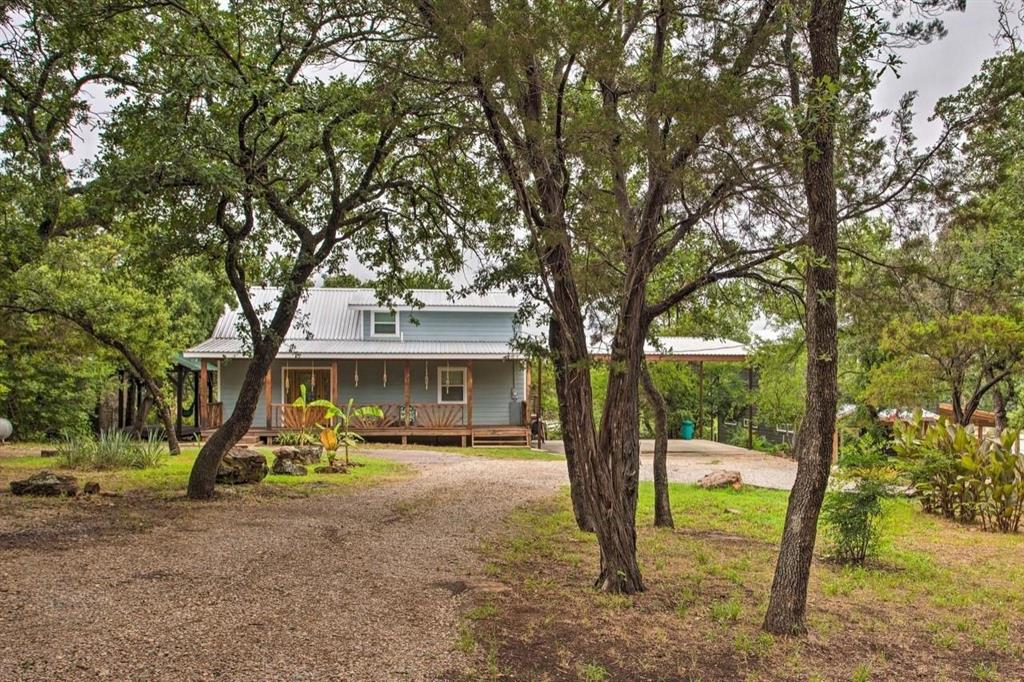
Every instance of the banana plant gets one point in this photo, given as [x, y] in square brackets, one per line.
[303, 403]
[340, 433]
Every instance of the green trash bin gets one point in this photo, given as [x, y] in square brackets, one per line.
[686, 430]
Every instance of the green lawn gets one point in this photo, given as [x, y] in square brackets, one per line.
[172, 475]
[488, 452]
[941, 602]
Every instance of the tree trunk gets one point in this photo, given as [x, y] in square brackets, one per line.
[141, 416]
[203, 478]
[662, 508]
[999, 401]
[788, 601]
[617, 462]
[163, 411]
[570, 426]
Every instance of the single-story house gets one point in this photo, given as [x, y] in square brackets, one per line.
[445, 370]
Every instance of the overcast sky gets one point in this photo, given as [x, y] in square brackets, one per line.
[944, 66]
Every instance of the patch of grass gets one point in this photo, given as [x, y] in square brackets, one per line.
[482, 612]
[727, 611]
[171, 476]
[466, 642]
[862, 673]
[487, 452]
[985, 672]
[941, 598]
[592, 672]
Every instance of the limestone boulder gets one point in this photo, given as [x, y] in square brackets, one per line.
[241, 466]
[722, 479]
[288, 467]
[303, 454]
[46, 484]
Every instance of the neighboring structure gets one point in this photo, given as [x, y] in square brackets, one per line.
[696, 351]
[443, 370]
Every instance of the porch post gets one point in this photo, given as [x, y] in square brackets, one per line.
[540, 389]
[526, 395]
[179, 393]
[204, 392]
[334, 381]
[406, 391]
[120, 398]
[750, 409]
[268, 397]
[469, 393]
[700, 412]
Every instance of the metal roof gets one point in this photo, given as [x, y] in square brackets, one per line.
[434, 298]
[687, 348]
[327, 324]
[368, 349]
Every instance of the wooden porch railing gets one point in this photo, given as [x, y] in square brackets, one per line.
[288, 416]
[425, 415]
[211, 415]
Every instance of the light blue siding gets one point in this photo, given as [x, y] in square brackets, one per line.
[493, 384]
[443, 325]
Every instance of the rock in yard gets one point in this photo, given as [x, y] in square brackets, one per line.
[304, 454]
[91, 488]
[241, 466]
[288, 467]
[47, 453]
[46, 483]
[721, 479]
[334, 469]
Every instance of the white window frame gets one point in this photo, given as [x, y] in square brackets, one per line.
[373, 323]
[450, 369]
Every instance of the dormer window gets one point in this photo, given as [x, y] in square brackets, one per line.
[383, 323]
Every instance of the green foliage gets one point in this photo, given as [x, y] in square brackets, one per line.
[932, 457]
[342, 427]
[853, 508]
[962, 476]
[294, 438]
[996, 472]
[53, 377]
[781, 382]
[111, 450]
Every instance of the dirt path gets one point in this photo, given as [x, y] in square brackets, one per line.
[361, 585]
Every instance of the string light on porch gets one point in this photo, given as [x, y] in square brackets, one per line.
[385, 374]
[355, 378]
[426, 375]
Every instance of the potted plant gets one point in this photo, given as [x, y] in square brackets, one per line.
[340, 432]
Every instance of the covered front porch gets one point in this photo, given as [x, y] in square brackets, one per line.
[467, 401]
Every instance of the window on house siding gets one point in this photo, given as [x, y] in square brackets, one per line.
[383, 323]
[317, 382]
[451, 384]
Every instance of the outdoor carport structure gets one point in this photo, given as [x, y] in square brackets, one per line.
[697, 351]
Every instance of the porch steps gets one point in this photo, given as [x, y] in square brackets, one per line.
[497, 437]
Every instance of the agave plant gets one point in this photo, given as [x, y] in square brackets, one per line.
[340, 433]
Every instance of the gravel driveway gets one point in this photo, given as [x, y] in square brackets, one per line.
[360, 585]
[363, 585]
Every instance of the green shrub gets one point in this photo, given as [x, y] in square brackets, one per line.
[294, 438]
[962, 476]
[932, 458]
[111, 450]
[996, 475]
[853, 509]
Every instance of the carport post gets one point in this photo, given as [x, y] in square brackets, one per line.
[700, 409]
[750, 408]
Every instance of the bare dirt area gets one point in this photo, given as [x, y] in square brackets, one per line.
[363, 584]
